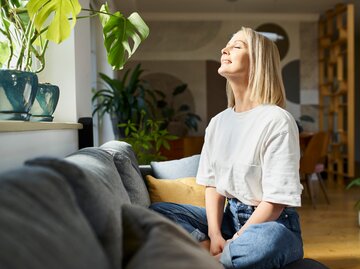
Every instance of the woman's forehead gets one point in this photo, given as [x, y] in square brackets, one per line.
[239, 36]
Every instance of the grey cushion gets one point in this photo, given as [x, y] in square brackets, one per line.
[128, 168]
[305, 264]
[41, 225]
[152, 241]
[185, 167]
[99, 191]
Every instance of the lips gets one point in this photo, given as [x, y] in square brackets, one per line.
[226, 61]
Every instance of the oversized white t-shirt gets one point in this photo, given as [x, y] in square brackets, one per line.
[253, 156]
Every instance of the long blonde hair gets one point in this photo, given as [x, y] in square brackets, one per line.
[265, 80]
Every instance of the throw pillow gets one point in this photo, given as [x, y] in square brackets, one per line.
[185, 167]
[152, 241]
[180, 191]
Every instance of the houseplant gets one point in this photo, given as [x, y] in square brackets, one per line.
[177, 118]
[123, 99]
[26, 28]
[355, 182]
[147, 138]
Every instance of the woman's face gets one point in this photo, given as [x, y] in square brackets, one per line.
[235, 60]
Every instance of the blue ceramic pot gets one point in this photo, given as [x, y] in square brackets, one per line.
[17, 94]
[45, 102]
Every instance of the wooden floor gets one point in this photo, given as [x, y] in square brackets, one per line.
[331, 233]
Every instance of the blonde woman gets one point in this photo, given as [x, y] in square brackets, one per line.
[251, 159]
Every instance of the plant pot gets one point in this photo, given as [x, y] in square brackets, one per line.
[46, 100]
[17, 94]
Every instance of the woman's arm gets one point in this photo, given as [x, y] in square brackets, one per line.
[264, 212]
[214, 203]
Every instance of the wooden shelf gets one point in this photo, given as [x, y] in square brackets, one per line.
[22, 126]
[337, 88]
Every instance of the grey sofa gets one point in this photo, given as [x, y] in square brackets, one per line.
[89, 210]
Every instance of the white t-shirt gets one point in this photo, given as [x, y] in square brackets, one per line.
[253, 156]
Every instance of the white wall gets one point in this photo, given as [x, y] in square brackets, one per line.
[68, 65]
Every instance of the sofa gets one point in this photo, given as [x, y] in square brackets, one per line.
[90, 210]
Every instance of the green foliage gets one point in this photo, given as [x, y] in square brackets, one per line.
[355, 182]
[122, 98]
[28, 26]
[182, 113]
[147, 138]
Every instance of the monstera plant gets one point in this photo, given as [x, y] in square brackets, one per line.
[27, 27]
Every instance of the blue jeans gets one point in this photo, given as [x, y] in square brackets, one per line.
[267, 245]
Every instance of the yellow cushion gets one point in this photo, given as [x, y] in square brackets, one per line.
[180, 191]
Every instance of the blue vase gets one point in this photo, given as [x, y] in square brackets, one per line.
[17, 94]
[46, 100]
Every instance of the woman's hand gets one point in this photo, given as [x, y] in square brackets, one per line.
[217, 244]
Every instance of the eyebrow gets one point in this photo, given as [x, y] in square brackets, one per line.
[238, 41]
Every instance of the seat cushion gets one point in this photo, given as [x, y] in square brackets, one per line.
[128, 168]
[99, 191]
[152, 241]
[185, 167]
[41, 225]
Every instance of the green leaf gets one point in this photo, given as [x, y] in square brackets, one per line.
[118, 31]
[355, 182]
[5, 52]
[57, 12]
[179, 89]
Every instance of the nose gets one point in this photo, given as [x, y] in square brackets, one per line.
[225, 51]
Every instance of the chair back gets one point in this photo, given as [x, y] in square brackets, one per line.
[315, 152]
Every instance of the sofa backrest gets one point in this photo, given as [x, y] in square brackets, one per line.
[99, 191]
[128, 168]
[41, 224]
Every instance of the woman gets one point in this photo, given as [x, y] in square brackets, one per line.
[251, 158]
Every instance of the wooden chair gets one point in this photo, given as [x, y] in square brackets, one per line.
[312, 162]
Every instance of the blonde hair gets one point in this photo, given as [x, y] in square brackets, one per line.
[265, 80]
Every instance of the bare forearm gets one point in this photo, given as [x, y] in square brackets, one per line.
[264, 212]
[214, 210]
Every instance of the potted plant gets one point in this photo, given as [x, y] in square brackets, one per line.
[27, 26]
[123, 99]
[178, 119]
[355, 182]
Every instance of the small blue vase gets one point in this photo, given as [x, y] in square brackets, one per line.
[46, 100]
[17, 94]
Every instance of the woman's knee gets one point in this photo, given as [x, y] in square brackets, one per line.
[260, 244]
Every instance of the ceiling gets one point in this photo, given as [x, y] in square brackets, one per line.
[227, 6]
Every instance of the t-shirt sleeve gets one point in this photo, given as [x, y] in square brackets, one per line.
[205, 174]
[280, 180]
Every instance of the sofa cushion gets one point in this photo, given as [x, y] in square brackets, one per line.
[152, 241]
[41, 225]
[128, 168]
[185, 167]
[181, 190]
[99, 191]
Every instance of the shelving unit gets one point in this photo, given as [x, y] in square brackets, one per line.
[337, 88]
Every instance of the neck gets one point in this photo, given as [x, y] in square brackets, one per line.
[242, 97]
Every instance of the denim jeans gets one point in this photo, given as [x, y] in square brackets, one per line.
[267, 245]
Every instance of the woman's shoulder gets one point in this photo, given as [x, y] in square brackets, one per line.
[276, 113]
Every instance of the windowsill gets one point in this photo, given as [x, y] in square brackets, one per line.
[21, 126]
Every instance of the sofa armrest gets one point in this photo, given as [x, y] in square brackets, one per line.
[145, 169]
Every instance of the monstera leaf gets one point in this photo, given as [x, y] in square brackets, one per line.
[118, 31]
[58, 12]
